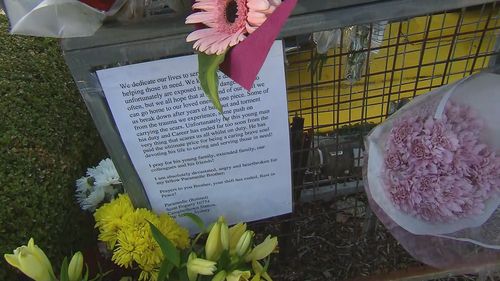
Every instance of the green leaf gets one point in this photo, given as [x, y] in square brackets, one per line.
[64, 270]
[165, 269]
[208, 66]
[196, 219]
[86, 276]
[101, 276]
[266, 264]
[225, 261]
[168, 249]
[183, 275]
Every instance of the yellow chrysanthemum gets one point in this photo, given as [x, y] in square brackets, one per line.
[127, 231]
[151, 255]
[135, 241]
[109, 218]
[139, 219]
[173, 231]
[126, 249]
[148, 273]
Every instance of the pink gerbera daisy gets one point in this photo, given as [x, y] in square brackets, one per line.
[228, 22]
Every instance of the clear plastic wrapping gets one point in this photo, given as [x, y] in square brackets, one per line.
[135, 10]
[53, 18]
[71, 18]
[357, 39]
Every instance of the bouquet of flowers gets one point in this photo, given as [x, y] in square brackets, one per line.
[154, 245]
[439, 170]
[434, 169]
[162, 250]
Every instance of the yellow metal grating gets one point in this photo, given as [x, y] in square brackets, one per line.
[416, 56]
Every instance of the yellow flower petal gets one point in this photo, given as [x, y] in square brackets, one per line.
[31, 265]
[32, 261]
[213, 247]
[238, 275]
[220, 276]
[262, 250]
[192, 275]
[244, 243]
[256, 277]
[259, 270]
[197, 266]
[235, 233]
[75, 267]
[12, 260]
[40, 255]
[224, 236]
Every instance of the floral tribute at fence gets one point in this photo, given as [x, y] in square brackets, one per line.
[235, 35]
[440, 170]
[433, 173]
[152, 246]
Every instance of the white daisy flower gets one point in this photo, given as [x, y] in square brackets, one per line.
[83, 184]
[93, 199]
[83, 189]
[105, 173]
[101, 183]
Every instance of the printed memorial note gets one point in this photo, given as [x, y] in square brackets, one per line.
[189, 157]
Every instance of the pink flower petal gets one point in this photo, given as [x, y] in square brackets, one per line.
[222, 32]
[256, 18]
[258, 5]
[207, 42]
[270, 10]
[220, 47]
[250, 28]
[200, 33]
[207, 6]
[199, 17]
[238, 38]
[275, 2]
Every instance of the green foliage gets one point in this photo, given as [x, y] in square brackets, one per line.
[197, 220]
[167, 248]
[208, 66]
[47, 140]
[165, 269]
[64, 270]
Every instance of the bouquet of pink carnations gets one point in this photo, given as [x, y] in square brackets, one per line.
[434, 169]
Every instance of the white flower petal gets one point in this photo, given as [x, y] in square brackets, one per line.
[93, 200]
[106, 174]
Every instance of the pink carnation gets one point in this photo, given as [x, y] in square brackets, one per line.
[420, 149]
[439, 170]
[393, 161]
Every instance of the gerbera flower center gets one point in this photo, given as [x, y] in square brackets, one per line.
[231, 11]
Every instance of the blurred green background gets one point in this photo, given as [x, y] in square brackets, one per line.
[47, 140]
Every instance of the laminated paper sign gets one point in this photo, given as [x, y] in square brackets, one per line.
[189, 157]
